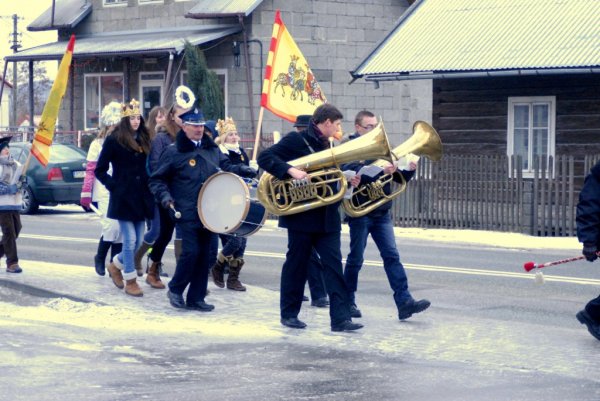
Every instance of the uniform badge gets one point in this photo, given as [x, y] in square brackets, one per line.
[192, 162]
[242, 157]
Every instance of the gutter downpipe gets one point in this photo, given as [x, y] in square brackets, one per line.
[248, 76]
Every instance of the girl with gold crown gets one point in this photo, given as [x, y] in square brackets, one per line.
[131, 202]
[233, 246]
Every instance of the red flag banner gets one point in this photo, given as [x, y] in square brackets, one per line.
[45, 131]
[290, 87]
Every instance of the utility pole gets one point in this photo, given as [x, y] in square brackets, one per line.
[15, 47]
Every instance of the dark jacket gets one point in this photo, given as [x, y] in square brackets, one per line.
[183, 169]
[130, 198]
[588, 209]
[356, 166]
[159, 144]
[237, 158]
[274, 161]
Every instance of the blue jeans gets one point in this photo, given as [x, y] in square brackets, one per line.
[154, 227]
[382, 232]
[132, 232]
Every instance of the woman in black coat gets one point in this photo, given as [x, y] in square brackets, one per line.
[126, 151]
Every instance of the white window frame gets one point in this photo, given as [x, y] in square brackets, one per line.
[120, 3]
[531, 100]
[144, 2]
[100, 105]
[151, 82]
[219, 71]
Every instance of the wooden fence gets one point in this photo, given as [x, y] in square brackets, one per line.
[490, 193]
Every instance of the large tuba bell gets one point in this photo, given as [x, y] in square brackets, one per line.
[326, 183]
[424, 141]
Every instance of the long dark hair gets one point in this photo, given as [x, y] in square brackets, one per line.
[125, 135]
[155, 112]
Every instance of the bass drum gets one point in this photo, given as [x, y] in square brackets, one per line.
[225, 206]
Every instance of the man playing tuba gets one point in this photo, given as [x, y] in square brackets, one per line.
[317, 228]
[378, 223]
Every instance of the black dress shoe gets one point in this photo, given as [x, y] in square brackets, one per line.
[320, 302]
[176, 300]
[99, 265]
[411, 307]
[304, 298]
[346, 325]
[200, 306]
[592, 326]
[293, 322]
[354, 311]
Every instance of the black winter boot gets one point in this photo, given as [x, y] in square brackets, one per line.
[100, 257]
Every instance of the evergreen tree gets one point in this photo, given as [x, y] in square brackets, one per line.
[204, 83]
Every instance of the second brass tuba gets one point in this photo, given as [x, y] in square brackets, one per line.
[289, 196]
[424, 141]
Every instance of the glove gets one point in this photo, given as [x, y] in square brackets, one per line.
[12, 189]
[85, 201]
[248, 172]
[166, 203]
[590, 252]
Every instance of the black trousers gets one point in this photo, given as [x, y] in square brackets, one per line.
[11, 227]
[193, 264]
[295, 272]
[167, 226]
[593, 308]
[316, 284]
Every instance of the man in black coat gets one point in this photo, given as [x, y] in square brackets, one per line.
[317, 228]
[176, 183]
[588, 233]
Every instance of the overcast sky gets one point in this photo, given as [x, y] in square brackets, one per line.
[29, 10]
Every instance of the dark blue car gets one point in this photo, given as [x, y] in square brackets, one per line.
[57, 183]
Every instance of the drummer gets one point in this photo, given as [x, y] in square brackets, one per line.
[233, 246]
[176, 182]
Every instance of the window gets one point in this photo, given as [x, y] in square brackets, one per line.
[149, 1]
[151, 90]
[221, 74]
[115, 2]
[531, 129]
[99, 90]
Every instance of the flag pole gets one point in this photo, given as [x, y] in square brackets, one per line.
[257, 137]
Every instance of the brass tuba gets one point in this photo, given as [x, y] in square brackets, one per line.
[424, 141]
[289, 196]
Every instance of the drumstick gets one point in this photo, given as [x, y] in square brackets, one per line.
[177, 214]
[95, 210]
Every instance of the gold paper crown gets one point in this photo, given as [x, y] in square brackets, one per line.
[130, 109]
[225, 127]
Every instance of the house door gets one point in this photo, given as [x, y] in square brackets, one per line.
[151, 90]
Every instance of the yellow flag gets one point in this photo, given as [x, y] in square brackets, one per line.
[290, 87]
[45, 131]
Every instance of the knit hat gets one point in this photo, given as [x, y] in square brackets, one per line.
[4, 142]
[111, 114]
[209, 128]
[302, 121]
[225, 127]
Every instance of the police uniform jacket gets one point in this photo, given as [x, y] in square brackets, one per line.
[275, 161]
[588, 209]
[182, 170]
[130, 198]
[356, 166]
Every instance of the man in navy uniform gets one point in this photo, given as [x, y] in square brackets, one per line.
[176, 183]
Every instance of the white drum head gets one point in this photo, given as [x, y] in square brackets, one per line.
[223, 202]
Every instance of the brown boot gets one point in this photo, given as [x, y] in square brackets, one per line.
[233, 282]
[177, 245]
[218, 268]
[132, 288]
[115, 274]
[153, 278]
[139, 255]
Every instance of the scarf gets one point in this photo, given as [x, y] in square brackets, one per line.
[322, 138]
[233, 146]
[7, 168]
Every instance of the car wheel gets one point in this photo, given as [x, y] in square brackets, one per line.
[29, 205]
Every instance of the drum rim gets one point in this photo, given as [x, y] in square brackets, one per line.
[246, 209]
[262, 223]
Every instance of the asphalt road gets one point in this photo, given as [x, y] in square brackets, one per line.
[491, 333]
